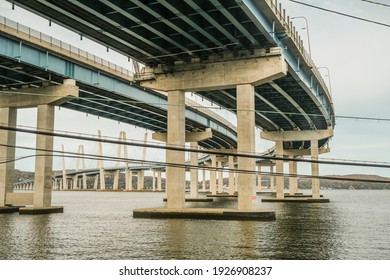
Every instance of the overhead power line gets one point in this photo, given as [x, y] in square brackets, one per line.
[57, 153]
[377, 3]
[339, 13]
[183, 149]
[163, 144]
[231, 109]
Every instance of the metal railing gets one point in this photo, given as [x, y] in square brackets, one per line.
[293, 34]
[7, 25]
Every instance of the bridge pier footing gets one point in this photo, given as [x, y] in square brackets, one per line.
[204, 214]
[40, 210]
[8, 209]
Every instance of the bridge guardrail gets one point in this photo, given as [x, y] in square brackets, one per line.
[293, 34]
[62, 47]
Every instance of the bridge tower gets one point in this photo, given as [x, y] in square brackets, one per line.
[141, 173]
[80, 153]
[128, 174]
[44, 99]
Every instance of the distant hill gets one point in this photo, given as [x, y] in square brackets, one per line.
[21, 176]
[352, 181]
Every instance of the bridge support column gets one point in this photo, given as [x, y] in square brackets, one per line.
[175, 119]
[279, 170]
[259, 177]
[231, 175]
[315, 181]
[293, 180]
[64, 177]
[159, 187]
[246, 144]
[175, 178]
[153, 180]
[96, 182]
[75, 182]
[313, 136]
[116, 180]
[271, 178]
[85, 187]
[213, 175]
[129, 180]
[44, 158]
[8, 117]
[203, 179]
[194, 171]
[220, 176]
[140, 180]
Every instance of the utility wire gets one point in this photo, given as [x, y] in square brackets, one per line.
[377, 3]
[183, 149]
[342, 14]
[232, 109]
[188, 166]
[163, 145]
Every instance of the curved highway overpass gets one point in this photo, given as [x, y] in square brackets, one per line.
[167, 34]
[244, 55]
[30, 58]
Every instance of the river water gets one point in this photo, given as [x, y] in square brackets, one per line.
[99, 225]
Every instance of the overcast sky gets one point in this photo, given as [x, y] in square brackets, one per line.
[356, 53]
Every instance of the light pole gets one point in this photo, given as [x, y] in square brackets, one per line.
[330, 85]
[307, 31]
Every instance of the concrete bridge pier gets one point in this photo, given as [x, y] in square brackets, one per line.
[204, 179]
[44, 99]
[44, 159]
[129, 180]
[315, 181]
[246, 144]
[272, 177]
[243, 74]
[232, 181]
[194, 171]
[115, 185]
[293, 180]
[287, 136]
[176, 177]
[213, 175]
[220, 176]
[140, 180]
[8, 117]
[279, 170]
[153, 180]
[177, 137]
[159, 181]
[259, 187]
